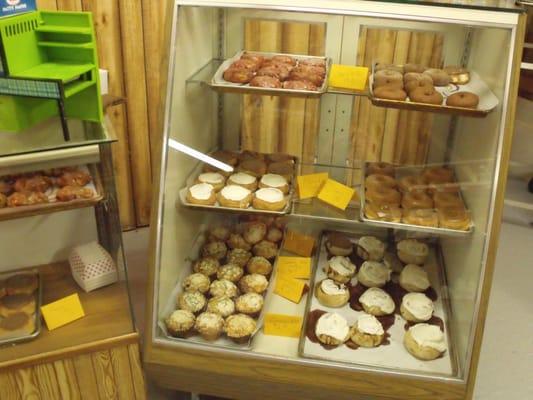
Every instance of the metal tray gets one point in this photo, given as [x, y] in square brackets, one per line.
[392, 356]
[23, 337]
[487, 100]
[223, 341]
[218, 82]
[402, 171]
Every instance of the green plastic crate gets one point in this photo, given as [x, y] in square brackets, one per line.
[19, 113]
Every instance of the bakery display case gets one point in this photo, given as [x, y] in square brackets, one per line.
[392, 208]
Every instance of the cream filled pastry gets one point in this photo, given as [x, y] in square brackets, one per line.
[332, 294]
[370, 248]
[377, 302]
[425, 342]
[201, 193]
[332, 329]
[243, 179]
[373, 274]
[212, 178]
[414, 278]
[235, 196]
[411, 251]
[340, 269]
[416, 307]
[367, 331]
[269, 199]
[274, 181]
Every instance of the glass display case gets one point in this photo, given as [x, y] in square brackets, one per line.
[329, 140]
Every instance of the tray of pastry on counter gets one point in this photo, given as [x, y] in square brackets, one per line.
[418, 198]
[273, 74]
[379, 303]
[20, 305]
[220, 293]
[452, 90]
[260, 183]
[48, 190]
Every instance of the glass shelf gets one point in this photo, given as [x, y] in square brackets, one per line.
[489, 5]
[48, 135]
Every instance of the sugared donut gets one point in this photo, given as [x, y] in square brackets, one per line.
[463, 99]
[379, 180]
[236, 75]
[454, 218]
[421, 216]
[265, 82]
[387, 77]
[440, 78]
[447, 199]
[458, 75]
[391, 67]
[426, 95]
[416, 200]
[390, 93]
[380, 168]
[412, 182]
[438, 175]
[383, 212]
[383, 195]
[413, 68]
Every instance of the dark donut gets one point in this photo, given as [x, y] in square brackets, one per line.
[413, 68]
[390, 93]
[463, 99]
[387, 77]
[426, 95]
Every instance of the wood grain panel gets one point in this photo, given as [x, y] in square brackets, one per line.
[103, 371]
[69, 5]
[8, 387]
[27, 384]
[49, 5]
[121, 369]
[46, 380]
[137, 371]
[66, 379]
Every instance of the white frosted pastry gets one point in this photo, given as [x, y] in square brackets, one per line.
[340, 269]
[243, 179]
[332, 329]
[414, 278]
[370, 248]
[373, 274]
[392, 262]
[377, 302]
[269, 199]
[332, 294]
[425, 342]
[367, 331]
[416, 307]
[411, 251]
[235, 196]
[274, 181]
[201, 193]
[212, 178]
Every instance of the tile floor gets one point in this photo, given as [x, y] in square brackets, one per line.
[506, 358]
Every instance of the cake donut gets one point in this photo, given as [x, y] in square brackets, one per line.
[426, 95]
[421, 217]
[383, 212]
[387, 77]
[391, 67]
[390, 93]
[412, 85]
[407, 68]
[440, 77]
[384, 196]
[463, 99]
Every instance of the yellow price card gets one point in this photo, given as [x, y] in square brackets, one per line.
[348, 77]
[62, 311]
[282, 325]
[294, 267]
[309, 185]
[336, 194]
[290, 288]
[298, 243]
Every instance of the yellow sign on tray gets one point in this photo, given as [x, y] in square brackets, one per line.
[283, 325]
[348, 77]
[336, 194]
[294, 267]
[62, 311]
[290, 288]
[309, 185]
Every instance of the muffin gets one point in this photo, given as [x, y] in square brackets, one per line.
[340, 269]
[259, 265]
[254, 232]
[332, 294]
[215, 249]
[425, 342]
[239, 257]
[332, 329]
[411, 251]
[416, 307]
[236, 241]
[253, 283]
[196, 282]
[274, 234]
[218, 233]
[223, 287]
[414, 278]
[370, 248]
[180, 323]
[367, 331]
[249, 304]
[240, 327]
[373, 274]
[377, 302]
[339, 244]
[221, 305]
[207, 266]
[231, 272]
[265, 249]
[209, 325]
[194, 302]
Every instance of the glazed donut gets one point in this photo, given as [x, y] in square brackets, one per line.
[254, 57]
[378, 180]
[310, 69]
[413, 68]
[436, 175]
[284, 60]
[387, 77]
[463, 99]
[380, 168]
[447, 199]
[416, 200]
[278, 71]
[383, 212]
[421, 217]
[458, 75]
[440, 78]
[390, 93]
[299, 75]
[315, 62]
[265, 82]
[236, 75]
[245, 64]
[425, 94]
[299, 85]
[454, 218]
[384, 196]
[412, 182]
[391, 67]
